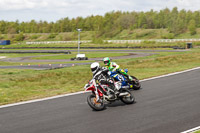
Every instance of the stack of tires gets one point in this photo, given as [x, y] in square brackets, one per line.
[80, 58]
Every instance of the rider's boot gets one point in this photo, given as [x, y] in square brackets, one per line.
[112, 86]
[116, 92]
[111, 96]
[130, 78]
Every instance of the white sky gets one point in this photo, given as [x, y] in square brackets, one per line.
[53, 10]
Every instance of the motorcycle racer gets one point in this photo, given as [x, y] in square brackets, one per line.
[112, 66]
[99, 74]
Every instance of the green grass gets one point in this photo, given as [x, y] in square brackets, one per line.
[123, 35]
[88, 35]
[197, 131]
[21, 85]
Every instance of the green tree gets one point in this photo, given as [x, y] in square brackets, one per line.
[142, 20]
[197, 18]
[173, 21]
[20, 37]
[192, 27]
[111, 23]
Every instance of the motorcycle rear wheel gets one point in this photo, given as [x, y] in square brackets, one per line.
[136, 83]
[127, 99]
[98, 106]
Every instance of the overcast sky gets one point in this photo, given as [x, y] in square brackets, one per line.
[53, 10]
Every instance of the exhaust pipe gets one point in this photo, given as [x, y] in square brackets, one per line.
[123, 94]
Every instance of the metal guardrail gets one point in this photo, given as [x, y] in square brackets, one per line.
[155, 40]
[118, 41]
[55, 42]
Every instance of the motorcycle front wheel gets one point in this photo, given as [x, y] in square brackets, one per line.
[98, 106]
[127, 99]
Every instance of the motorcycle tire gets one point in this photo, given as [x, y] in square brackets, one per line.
[98, 106]
[130, 99]
[136, 83]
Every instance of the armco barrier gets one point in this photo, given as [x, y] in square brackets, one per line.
[117, 41]
[155, 40]
[56, 42]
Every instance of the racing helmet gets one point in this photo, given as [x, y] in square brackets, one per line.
[95, 67]
[106, 61]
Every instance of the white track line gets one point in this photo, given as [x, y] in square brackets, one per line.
[171, 74]
[192, 130]
[42, 99]
[70, 94]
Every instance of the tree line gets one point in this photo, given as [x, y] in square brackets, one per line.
[112, 23]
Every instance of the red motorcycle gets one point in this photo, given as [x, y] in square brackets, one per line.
[104, 94]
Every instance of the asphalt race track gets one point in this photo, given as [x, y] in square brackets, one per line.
[29, 59]
[164, 105]
[21, 60]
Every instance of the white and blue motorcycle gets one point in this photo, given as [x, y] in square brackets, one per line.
[125, 82]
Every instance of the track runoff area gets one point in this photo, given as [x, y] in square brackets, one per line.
[71, 94]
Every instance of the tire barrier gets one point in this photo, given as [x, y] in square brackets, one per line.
[43, 66]
[36, 51]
